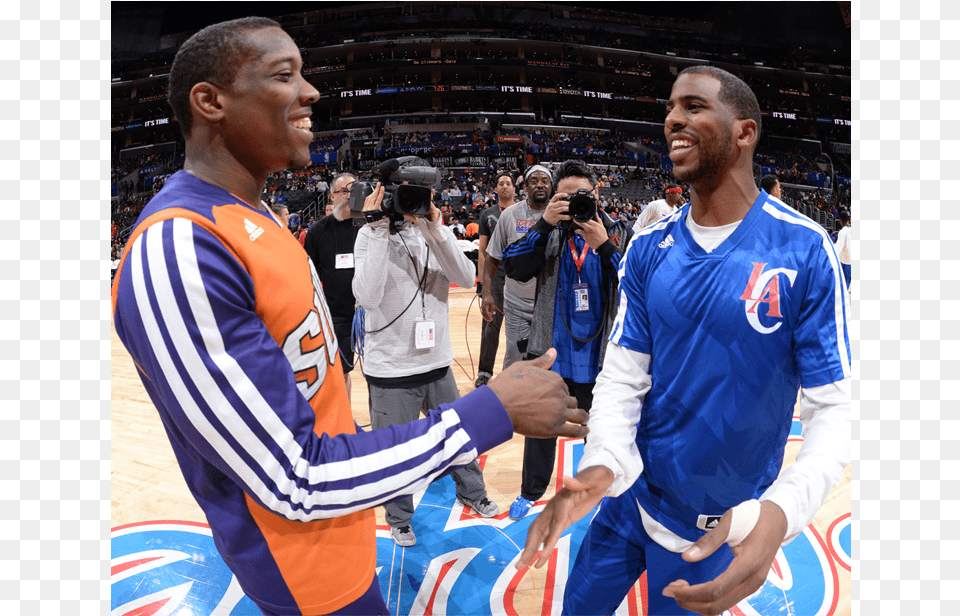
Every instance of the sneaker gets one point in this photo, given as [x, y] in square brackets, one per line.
[403, 536]
[519, 508]
[481, 380]
[485, 507]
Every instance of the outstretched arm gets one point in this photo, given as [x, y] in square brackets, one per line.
[243, 400]
[611, 461]
[579, 495]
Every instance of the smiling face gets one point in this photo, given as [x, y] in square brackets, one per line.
[266, 121]
[700, 130]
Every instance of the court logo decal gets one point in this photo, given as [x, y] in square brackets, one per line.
[838, 538]
[462, 564]
[165, 568]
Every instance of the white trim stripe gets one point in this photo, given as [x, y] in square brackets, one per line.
[841, 307]
[246, 390]
[172, 375]
[660, 224]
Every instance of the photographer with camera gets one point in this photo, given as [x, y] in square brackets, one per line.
[405, 260]
[574, 251]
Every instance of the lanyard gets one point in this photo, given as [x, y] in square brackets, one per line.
[578, 261]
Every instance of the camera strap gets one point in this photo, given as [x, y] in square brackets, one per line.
[421, 287]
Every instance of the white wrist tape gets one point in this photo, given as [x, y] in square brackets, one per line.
[743, 518]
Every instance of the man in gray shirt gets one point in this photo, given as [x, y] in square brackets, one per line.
[518, 297]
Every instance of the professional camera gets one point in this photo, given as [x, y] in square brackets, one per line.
[583, 207]
[399, 199]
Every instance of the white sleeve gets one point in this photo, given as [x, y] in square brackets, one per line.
[802, 488]
[370, 257]
[617, 400]
[456, 266]
[647, 214]
[841, 241]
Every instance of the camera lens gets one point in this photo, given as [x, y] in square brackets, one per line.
[414, 200]
[583, 206]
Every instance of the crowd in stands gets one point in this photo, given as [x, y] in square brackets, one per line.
[625, 187]
[435, 143]
[121, 168]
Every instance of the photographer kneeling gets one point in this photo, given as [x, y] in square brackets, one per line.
[574, 250]
[405, 260]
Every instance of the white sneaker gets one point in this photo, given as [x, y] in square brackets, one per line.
[403, 536]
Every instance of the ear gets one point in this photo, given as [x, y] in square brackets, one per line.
[206, 103]
[747, 134]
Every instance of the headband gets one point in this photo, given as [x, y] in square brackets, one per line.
[536, 168]
[672, 190]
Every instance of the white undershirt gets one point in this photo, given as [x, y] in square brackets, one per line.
[710, 237]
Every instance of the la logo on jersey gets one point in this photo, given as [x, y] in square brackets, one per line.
[764, 288]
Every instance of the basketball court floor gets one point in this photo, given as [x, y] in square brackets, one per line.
[164, 562]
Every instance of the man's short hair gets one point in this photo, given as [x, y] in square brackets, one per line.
[574, 168]
[733, 92]
[212, 54]
[768, 182]
[278, 208]
[333, 182]
[496, 180]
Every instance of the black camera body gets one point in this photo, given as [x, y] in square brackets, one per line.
[399, 199]
[582, 208]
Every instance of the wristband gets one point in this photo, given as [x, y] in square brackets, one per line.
[373, 215]
[743, 518]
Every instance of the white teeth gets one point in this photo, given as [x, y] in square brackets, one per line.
[680, 144]
[303, 123]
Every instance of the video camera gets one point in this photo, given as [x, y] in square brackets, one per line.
[399, 199]
[582, 208]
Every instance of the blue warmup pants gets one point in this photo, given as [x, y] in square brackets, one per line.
[616, 551]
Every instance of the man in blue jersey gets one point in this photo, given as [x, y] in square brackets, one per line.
[727, 307]
[575, 266]
[224, 316]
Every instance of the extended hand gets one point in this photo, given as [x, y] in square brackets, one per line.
[537, 400]
[578, 496]
[747, 572]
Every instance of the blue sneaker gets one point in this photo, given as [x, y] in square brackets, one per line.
[519, 508]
